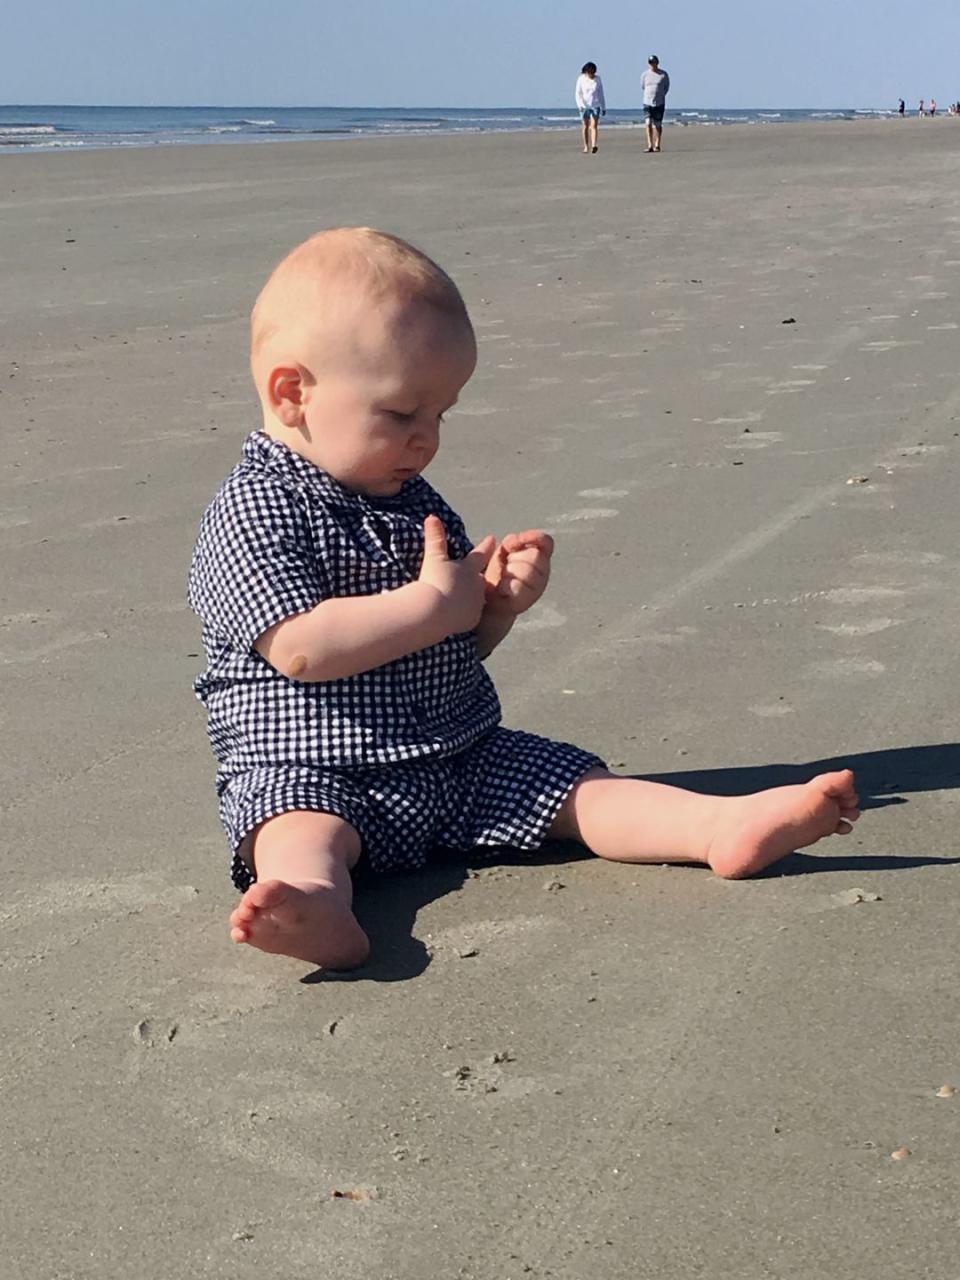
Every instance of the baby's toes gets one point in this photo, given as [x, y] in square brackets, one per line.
[243, 913]
[259, 897]
[262, 896]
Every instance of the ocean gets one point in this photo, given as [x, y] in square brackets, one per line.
[48, 128]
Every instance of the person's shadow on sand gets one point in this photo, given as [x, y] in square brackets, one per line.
[387, 906]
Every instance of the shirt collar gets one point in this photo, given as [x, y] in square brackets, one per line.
[268, 454]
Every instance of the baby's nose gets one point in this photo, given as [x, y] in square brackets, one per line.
[426, 435]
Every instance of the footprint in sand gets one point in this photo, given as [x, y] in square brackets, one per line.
[736, 422]
[890, 343]
[862, 595]
[790, 387]
[587, 513]
[859, 628]
[474, 410]
[898, 558]
[544, 617]
[847, 668]
[755, 440]
[96, 898]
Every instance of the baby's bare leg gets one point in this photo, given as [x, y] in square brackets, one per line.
[630, 820]
[301, 903]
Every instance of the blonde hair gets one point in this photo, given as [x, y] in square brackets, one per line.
[306, 286]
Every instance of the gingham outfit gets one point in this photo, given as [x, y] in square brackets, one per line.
[410, 753]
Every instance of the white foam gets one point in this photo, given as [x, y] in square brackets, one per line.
[16, 130]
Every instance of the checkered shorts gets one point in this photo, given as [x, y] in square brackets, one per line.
[505, 789]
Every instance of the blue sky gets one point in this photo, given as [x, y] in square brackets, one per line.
[741, 53]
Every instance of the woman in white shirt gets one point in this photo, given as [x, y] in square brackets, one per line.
[590, 104]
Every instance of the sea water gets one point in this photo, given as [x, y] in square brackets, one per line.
[48, 128]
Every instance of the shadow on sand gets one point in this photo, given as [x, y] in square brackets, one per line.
[387, 907]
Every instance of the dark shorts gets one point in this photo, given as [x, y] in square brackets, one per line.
[654, 115]
[590, 113]
[505, 790]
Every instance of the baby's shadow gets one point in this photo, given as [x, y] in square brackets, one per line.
[882, 778]
[880, 775]
[387, 906]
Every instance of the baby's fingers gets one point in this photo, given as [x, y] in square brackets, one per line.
[531, 569]
[482, 554]
[520, 579]
[514, 542]
[434, 539]
[532, 556]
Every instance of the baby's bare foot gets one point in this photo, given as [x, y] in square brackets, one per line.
[753, 831]
[309, 921]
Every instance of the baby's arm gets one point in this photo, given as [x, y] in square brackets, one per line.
[345, 635]
[517, 576]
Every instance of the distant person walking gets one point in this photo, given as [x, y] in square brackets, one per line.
[933, 106]
[920, 111]
[591, 104]
[655, 84]
[901, 109]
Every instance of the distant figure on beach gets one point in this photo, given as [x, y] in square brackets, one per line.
[590, 103]
[347, 615]
[933, 106]
[902, 108]
[655, 84]
[920, 111]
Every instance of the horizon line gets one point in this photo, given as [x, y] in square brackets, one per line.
[260, 106]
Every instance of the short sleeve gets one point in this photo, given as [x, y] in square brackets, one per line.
[256, 561]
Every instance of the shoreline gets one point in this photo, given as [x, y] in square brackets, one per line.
[827, 129]
[111, 129]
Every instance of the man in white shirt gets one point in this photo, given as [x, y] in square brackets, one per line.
[655, 84]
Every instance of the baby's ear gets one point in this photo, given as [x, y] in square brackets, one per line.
[285, 393]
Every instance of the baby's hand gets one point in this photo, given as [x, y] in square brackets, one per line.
[518, 573]
[460, 583]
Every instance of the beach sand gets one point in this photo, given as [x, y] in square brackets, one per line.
[726, 378]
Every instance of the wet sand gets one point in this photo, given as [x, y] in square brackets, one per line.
[726, 378]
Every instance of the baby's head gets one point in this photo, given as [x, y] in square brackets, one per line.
[359, 345]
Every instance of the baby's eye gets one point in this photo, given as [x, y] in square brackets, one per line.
[403, 418]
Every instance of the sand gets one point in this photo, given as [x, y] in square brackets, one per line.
[726, 378]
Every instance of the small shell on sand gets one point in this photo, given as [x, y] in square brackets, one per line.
[354, 1193]
[946, 1091]
[850, 897]
[901, 1153]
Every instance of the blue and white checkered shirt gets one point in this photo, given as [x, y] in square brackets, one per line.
[279, 537]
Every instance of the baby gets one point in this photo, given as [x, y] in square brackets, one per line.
[346, 616]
